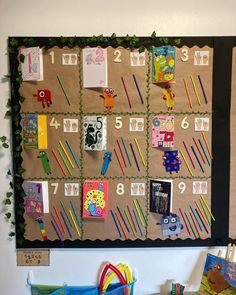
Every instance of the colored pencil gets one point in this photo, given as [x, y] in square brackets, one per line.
[58, 162]
[64, 209]
[138, 223]
[204, 152]
[118, 219]
[139, 151]
[141, 211]
[204, 201]
[200, 210]
[194, 223]
[139, 92]
[131, 216]
[117, 227]
[64, 161]
[63, 89]
[195, 90]
[207, 146]
[56, 223]
[181, 212]
[66, 225]
[119, 162]
[126, 151]
[189, 98]
[121, 152]
[135, 159]
[203, 91]
[204, 210]
[190, 224]
[199, 163]
[199, 216]
[65, 152]
[74, 211]
[75, 225]
[186, 163]
[127, 94]
[194, 215]
[139, 215]
[59, 237]
[199, 150]
[129, 222]
[73, 155]
[189, 154]
[58, 217]
[122, 217]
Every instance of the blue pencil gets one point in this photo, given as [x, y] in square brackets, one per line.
[73, 155]
[136, 83]
[67, 227]
[199, 216]
[139, 227]
[112, 214]
[53, 225]
[197, 158]
[195, 218]
[126, 151]
[76, 217]
[204, 152]
[123, 219]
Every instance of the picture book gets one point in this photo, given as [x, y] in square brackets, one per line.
[30, 131]
[95, 67]
[95, 199]
[95, 133]
[219, 276]
[161, 196]
[163, 131]
[32, 65]
[163, 64]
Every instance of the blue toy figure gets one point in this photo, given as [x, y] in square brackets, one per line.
[106, 162]
[170, 224]
[171, 161]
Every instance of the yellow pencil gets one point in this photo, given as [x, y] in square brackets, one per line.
[204, 201]
[139, 215]
[189, 169]
[189, 98]
[75, 225]
[206, 143]
[195, 90]
[139, 151]
[65, 152]
[64, 161]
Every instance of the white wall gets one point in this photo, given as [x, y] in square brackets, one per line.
[156, 267]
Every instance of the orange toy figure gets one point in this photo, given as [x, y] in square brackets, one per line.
[168, 96]
[108, 97]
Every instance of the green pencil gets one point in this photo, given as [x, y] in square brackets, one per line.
[67, 216]
[63, 89]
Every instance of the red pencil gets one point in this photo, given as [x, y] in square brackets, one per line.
[199, 150]
[194, 224]
[184, 221]
[188, 154]
[132, 219]
[62, 227]
[127, 94]
[117, 217]
[121, 152]
[119, 162]
[58, 161]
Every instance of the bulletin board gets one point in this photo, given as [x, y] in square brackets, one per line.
[123, 141]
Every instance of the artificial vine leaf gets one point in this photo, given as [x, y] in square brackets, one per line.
[5, 145]
[8, 215]
[3, 138]
[29, 41]
[13, 223]
[7, 202]
[177, 41]
[14, 42]
[154, 35]
[11, 183]
[22, 58]
[8, 113]
[20, 170]
[12, 234]
[9, 194]
[9, 173]
[22, 99]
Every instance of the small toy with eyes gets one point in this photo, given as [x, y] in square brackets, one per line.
[109, 98]
[170, 224]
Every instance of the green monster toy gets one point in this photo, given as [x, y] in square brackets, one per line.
[45, 162]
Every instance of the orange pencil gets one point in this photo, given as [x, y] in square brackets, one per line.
[58, 161]
[62, 227]
[194, 224]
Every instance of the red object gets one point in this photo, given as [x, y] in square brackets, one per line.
[199, 150]
[184, 221]
[119, 162]
[44, 96]
[121, 152]
[195, 224]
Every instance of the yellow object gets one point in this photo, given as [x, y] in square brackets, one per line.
[75, 225]
[208, 149]
[189, 169]
[139, 151]
[139, 215]
[168, 96]
[188, 95]
[42, 132]
[64, 161]
[195, 90]
[121, 267]
[65, 152]
[205, 203]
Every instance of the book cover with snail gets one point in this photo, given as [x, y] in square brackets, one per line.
[163, 131]
[95, 199]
